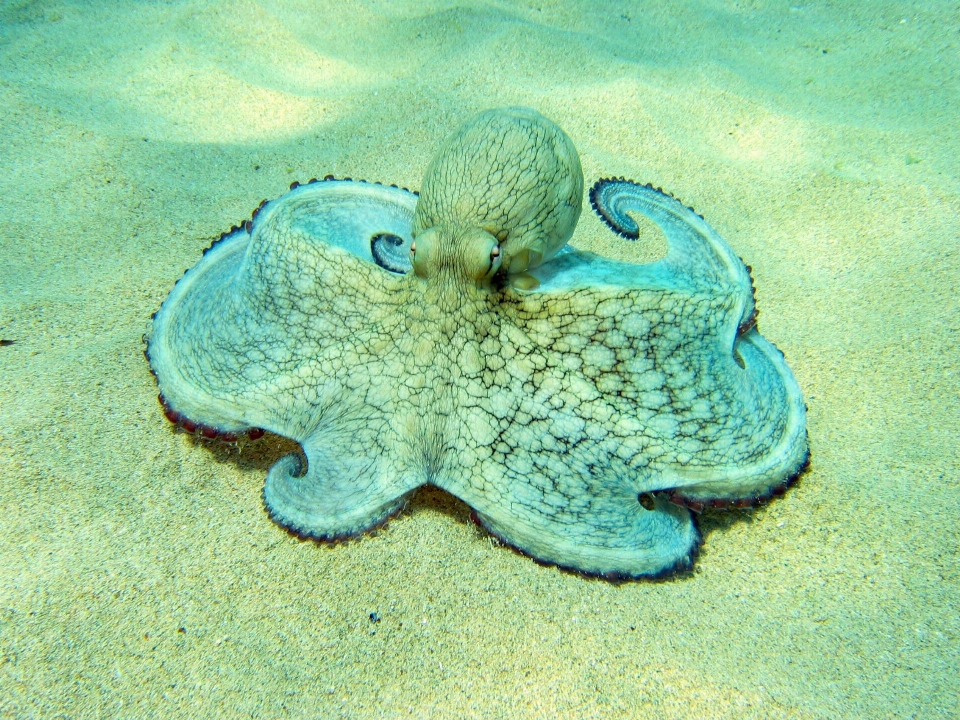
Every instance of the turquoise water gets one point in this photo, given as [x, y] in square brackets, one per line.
[140, 576]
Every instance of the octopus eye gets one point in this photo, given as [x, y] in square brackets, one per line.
[413, 249]
[495, 260]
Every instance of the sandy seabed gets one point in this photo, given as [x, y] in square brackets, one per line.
[139, 574]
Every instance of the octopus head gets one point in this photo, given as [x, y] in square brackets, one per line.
[512, 172]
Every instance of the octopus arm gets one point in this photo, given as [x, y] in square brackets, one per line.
[718, 409]
[243, 337]
[349, 484]
[596, 526]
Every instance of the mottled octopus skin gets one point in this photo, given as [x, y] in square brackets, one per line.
[566, 416]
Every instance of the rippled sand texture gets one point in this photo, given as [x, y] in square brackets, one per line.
[140, 576]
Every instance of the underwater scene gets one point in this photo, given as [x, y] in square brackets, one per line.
[426, 359]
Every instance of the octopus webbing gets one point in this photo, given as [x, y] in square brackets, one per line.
[580, 406]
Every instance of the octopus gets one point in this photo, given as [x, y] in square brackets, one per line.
[584, 408]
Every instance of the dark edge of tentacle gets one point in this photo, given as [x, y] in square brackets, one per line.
[333, 178]
[201, 431]
[744, 503]
[601, 209]
[339, 538]
[682, 568]
[247, 224]
[750, 321]
[604, 213]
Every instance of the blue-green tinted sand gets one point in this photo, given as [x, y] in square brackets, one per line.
[140, 576]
